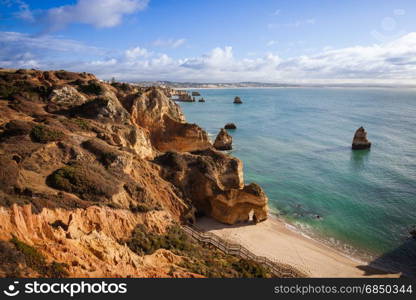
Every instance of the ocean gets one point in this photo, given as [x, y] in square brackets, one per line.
[296, 143]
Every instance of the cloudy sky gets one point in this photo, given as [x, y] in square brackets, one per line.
[303, 41]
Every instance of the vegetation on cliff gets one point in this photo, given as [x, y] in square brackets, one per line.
[37, 261]
[196, 259]
[42, 134]
[88, 181]
[84, 162]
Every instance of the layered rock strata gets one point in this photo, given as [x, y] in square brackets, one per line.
[83, 162]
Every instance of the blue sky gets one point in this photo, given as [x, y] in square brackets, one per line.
[268, 40]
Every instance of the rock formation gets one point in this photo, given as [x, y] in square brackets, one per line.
[221, 191]
[183, 96]
[230, 126]
[196, 94]
[360, 141]
[412, 232]
[84, 162]
[237, 100]
[224, 141]
[201, 100]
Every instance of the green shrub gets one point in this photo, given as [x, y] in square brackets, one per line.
[92, 88]
[196, 259]
[35, 260]
[7, 91]
[248, 268]
[104, 153]
[121, 86]
[57, 270]
[42, 134]
[88, 181]
[144, 207]
[145, 242]
[81, 123]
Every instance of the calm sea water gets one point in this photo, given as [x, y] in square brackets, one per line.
[296, 143]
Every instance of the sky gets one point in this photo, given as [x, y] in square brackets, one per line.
[285, 41]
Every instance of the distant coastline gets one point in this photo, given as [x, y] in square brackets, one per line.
[261, 85]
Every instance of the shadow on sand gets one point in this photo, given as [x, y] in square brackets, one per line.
[400, 260]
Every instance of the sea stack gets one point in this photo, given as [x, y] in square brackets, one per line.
[223, 141]
[237, 100]
[413, 233]
[360, 141]
[230, 126]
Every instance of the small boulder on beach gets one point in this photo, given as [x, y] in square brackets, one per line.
[223, 141]
[237, 100]
[230, 126]
[360, 141]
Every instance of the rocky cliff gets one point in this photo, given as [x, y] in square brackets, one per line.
[84, 163]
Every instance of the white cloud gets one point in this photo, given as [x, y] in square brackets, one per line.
[219, 58]
[99, 13]
[169, 43]
[136, 53]
[393, 62]
[17, 41]
[105, 63]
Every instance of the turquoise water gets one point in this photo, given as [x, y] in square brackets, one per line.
[296, 143]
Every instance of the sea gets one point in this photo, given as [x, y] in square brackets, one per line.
[296, 144]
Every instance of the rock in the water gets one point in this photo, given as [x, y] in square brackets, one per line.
[237, 100]
[413, 233]
[223, 141]
[360, 141]
[230, 126]
[196, 94]
[201, 100]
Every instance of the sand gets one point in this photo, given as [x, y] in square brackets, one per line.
[275, 240]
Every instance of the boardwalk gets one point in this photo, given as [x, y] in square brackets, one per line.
[276, 268]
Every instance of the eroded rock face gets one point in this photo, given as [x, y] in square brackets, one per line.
[223, 141]
[86, 240]
[214, 183]
[360, 141]
[165, 123]
[83, 162]
[64, 98]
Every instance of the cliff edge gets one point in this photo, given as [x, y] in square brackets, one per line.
[86, 167]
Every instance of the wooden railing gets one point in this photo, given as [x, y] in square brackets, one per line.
[278, 269]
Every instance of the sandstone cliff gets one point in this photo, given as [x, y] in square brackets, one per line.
[83, 163]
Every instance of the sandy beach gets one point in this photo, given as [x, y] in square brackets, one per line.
[276, 241]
